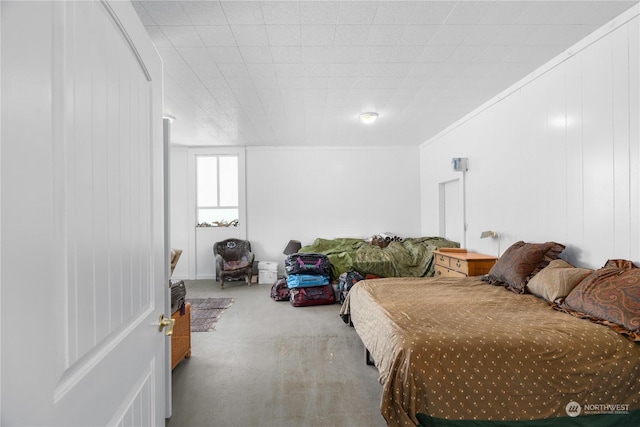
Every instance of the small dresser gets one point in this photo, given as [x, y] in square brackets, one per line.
[181, 338]
[460, 263]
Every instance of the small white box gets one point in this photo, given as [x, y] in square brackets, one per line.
[267, 272]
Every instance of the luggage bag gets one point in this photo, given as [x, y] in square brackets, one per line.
[307, 263]
[178, 295]
[346, 282]
[280, 290]
[306, 280]
[316, 295]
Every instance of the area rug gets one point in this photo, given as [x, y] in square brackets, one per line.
[205, 312]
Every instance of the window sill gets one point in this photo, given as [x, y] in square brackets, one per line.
[218, 224]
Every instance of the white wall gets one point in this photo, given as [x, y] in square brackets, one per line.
[556, 157]
[182, 235]
[304, 193]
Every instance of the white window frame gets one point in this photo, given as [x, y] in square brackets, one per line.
[218, 205]
[202, 238]
[192, 184]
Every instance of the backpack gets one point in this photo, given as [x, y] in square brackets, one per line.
[280, 290]
[346, 281]
[178, 295]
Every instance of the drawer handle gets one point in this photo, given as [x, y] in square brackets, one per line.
[458, 264]
[438, 272]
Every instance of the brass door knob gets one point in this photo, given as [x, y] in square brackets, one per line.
[168, 323]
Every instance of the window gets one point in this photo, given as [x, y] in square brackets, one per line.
[217, 190]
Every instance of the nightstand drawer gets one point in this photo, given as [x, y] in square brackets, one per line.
[452, 263]
[459, 265]
[442, 260]
[447, 272]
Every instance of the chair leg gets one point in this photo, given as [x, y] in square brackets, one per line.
[221, 281]
[249, 279]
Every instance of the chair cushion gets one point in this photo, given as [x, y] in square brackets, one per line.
[235, 265]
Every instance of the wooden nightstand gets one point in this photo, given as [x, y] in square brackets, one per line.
[460, 263]
[181, 338]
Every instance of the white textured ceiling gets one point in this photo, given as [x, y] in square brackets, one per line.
[300, 72]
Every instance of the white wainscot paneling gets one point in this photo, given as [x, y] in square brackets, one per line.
[597, 148]
[555, 157]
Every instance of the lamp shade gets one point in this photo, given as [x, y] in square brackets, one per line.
[292, 247]
[491, 233]
[486, 234]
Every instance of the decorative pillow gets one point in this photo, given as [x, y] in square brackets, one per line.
[619, 263]
[520, 263]
[610, 295]
[556, 280]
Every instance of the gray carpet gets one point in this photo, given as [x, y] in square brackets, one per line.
[269, 364]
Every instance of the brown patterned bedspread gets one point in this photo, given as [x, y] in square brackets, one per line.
[463, 349]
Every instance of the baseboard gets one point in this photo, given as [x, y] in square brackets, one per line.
[177, 277]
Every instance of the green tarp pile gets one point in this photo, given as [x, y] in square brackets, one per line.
[412, 257]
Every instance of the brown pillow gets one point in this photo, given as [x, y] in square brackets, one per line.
[556, 280]
[520, 263]
[619, 263]
[610, 295]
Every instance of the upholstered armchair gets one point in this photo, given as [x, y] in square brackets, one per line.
[175, 256]
[234, 259]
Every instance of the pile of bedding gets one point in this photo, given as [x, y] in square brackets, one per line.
[411, 257]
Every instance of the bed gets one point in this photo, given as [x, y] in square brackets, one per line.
[451, 349]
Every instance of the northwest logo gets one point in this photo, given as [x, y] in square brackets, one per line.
[573, 409]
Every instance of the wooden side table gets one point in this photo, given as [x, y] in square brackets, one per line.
[460, 263]
[181, 338]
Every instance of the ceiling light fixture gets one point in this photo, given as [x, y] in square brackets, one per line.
[368, 118]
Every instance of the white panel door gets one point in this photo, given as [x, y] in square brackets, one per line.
[83, 261]
[452, 211]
